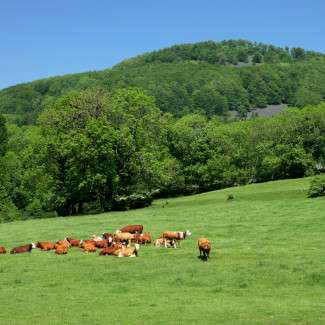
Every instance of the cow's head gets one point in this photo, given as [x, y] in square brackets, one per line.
[33, 245]
[187, 233]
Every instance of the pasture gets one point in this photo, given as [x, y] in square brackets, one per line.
[267, 264]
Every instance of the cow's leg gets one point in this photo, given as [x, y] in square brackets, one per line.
[165, 242]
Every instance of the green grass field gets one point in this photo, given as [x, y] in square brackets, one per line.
[267, 265]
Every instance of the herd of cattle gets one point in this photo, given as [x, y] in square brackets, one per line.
[123, 243]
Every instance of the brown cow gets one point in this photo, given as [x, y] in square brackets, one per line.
[62, 242]
[23, 249]
[45, 245]
[61, 249]
[133, 229]
[2, 250]
[89, 247]
[204, 246]
[73, 242]
[110, 250]
[101, 243]
[144, 238]
[86, 242]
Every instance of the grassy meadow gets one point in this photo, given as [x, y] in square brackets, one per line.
[267, 265]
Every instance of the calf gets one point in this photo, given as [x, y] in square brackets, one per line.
[23, 249]
[133, 229]
[2, 250]
[45, 245]
[204, 246]
[61, 249]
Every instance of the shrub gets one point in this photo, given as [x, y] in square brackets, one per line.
[230, 197]
[317, 187]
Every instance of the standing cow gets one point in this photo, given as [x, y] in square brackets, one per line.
[204, 246]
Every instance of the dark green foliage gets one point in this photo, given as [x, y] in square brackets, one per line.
[317, 187]
[3, 136]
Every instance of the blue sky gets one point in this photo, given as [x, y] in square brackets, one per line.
[41, 38]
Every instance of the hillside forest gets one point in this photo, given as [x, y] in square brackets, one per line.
[160, 125]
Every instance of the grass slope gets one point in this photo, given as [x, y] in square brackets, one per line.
[267, 265]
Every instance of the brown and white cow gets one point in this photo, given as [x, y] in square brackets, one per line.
[2, 250]
[176, 236]
[23, 249]
[123, 237]
[109, 237]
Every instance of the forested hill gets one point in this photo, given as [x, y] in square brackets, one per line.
[210, 78]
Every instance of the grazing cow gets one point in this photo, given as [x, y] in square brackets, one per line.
[204, 246]
[110, 250]
[89, 247]
[2, 250]
[61, 249]
[175, 235]
[109, 237]
[23, 249]
[133, 229]
[144, 238]
[45, 245]
[123, 237]
[161, 242]
[127, 251]
[73, 242]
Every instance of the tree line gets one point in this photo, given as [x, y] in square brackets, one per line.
[92, 148]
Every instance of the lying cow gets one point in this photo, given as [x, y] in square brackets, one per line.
[89, 247]
[61, 249]
[123, 237]
[204, 246]
[63, 242]
[127, 251]
[175, 235]
[45, 245]
[110, 250]
[161, 242]
[73, 242]
[23, 249]
[133, 229]
[109, 237]
[96, 238]
[2, 250]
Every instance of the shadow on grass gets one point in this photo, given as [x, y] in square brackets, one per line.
[203, 258]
